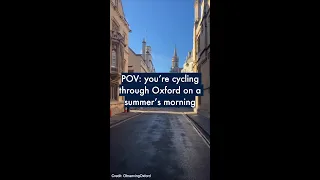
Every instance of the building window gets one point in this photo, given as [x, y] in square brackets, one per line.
[124, 37]
[114, 91]
[114, 57]
[198, 45]
[121, 60]
[115, 26]
[116, 3]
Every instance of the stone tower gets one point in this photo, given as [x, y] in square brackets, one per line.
[175, 62]
[144, 49]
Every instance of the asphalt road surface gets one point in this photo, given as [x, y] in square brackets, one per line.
[165, 146]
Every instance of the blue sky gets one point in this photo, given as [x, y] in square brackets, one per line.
[167, 22]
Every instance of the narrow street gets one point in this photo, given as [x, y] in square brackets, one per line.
[164, 145]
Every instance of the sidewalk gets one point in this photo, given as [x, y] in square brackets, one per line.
[122, 116]
[201, 121]
[204, 113]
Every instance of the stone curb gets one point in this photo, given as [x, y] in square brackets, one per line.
[204, 132]
[137, 114]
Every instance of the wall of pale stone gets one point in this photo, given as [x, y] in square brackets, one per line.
[116, 108]
[117, 15]
[200, 32]
[134, 61]
[143, 66]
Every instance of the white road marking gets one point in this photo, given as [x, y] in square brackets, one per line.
[124, 121]
[206, 141]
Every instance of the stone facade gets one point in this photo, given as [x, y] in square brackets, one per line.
[188, 64]
[148, 58]
[141, 63]
[137, 64]
[201, 52]
[119, 53]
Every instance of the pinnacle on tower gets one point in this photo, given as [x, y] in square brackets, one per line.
[175, 51]
[143, 40]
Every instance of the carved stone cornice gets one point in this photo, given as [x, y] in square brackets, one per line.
[114, 76]
[117, 37]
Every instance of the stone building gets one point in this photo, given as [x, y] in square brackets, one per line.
[141, 63]
[147, 56]
[201, 52]
[119, 52]
[175, 62]
[188, 64]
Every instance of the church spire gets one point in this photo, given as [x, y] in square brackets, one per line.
[175, 61]
[175, 51]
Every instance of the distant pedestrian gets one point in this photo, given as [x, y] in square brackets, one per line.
[128, 109]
